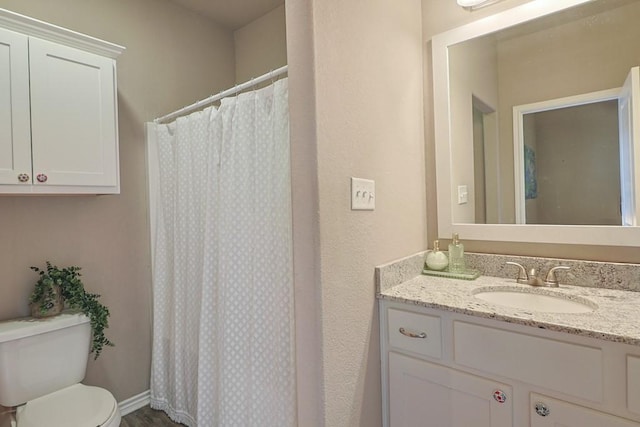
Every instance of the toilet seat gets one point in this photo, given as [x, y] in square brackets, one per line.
[74, 406]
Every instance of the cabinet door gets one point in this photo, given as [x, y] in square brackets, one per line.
[73, 116]
[548, 412]
[429, 395]
[15, 133]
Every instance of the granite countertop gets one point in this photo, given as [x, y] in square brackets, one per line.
[616, 317]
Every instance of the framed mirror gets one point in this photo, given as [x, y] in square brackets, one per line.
[535, 124]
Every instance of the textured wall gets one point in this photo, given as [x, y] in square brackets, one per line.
[304, 193]
[474, 74]
[369, 123]
[173, 58]
[261, 46]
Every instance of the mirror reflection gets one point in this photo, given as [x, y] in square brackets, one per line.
[546, 107]
[574, 151]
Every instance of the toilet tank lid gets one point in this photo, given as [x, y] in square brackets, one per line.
[28, 326]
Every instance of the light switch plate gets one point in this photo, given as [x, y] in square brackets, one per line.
[363, 192]
[463, 195]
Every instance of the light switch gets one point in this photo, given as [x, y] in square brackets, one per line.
[363, 194]
[463, 195]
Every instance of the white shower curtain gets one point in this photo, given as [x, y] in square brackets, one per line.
[223, 333]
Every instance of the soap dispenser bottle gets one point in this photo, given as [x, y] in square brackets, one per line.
[436, 259]
[456, 255]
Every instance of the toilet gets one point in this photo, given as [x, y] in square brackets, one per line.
[42, 362]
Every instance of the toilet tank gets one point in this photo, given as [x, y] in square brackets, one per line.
[39, 356]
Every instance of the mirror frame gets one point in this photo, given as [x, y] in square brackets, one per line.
[562, 234]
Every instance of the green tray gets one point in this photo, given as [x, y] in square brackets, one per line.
[468, 274]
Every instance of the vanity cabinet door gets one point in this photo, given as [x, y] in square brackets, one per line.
[548, 412]
[15, 132]
[429, 395]
[73, 116]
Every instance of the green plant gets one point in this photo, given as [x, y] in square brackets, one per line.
[67, 282]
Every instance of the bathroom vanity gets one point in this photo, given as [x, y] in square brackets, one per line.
[449, 358]
[483, 353]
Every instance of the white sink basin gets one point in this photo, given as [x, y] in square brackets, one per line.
[540, 300]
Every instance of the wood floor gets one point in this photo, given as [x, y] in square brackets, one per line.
[145, 417]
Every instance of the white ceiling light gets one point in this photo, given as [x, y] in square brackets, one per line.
[475, 4]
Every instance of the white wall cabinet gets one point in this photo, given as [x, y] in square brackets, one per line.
[15, 125]
[444, 369]
[58, 110]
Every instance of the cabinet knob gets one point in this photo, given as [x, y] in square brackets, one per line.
[41, 177]
[499, 396]
[542, 409]
[409, 334]
[23, 177]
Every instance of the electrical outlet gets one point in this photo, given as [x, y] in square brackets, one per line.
[363, 194]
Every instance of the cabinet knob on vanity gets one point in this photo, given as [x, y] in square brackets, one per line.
[23, 177]
[41, 177]
[409, 334]
[499, 396]
[542, 409]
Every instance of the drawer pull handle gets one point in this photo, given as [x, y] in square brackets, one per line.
[404, 332]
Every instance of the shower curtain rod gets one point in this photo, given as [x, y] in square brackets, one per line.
[217, 97]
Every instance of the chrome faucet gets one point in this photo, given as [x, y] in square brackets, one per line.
[531, 278]
[551, 279]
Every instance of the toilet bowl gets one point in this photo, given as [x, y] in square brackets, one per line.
[42, 362]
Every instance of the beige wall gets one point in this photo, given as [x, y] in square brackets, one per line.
[162, 69]
[356, 110]
[442, 15]
[474, 73]
[306, 219]
[578, 165]
[261, 46]
[368, 86]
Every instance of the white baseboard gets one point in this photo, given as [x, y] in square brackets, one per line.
[134, 403]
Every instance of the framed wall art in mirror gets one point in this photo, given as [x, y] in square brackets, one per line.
[529, 177]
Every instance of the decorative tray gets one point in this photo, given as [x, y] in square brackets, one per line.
[468, 274]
